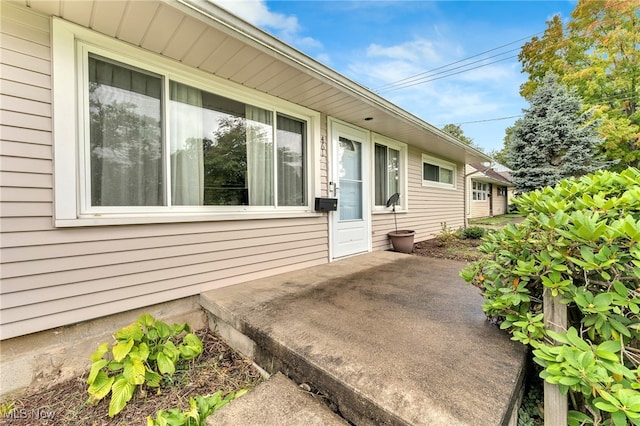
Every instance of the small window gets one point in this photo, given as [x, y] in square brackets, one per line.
[389, 172]
[502, 191]
[480, 191]
[436, 172]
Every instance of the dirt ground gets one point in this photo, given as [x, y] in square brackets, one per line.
[465, 250]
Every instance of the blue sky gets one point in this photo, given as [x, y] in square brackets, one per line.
[378, 42]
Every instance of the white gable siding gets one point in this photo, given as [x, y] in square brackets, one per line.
[52, 276]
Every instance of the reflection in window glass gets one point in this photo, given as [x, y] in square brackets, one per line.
[125, 141]
[446, 175]
[350, 180]
[291, 169]
[221, 150]
[386, 173]
[431, 172]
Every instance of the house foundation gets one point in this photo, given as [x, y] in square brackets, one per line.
[39, 360]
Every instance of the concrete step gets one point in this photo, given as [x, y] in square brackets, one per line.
[389, 339]
[277, 401]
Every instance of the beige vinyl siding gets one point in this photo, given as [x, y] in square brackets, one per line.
[26, 166]
[429, 207]
[478, 208]
[499, 202]
[57, 276]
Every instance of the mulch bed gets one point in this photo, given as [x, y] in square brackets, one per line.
[218, 368]
[464, 250]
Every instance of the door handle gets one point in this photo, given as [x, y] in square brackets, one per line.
[333, 187]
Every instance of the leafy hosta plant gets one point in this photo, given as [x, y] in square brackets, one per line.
[144, 353]
[580, 241]
[200, 408]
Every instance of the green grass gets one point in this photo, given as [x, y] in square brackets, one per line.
[501, 220]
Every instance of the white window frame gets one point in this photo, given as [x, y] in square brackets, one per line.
[441, 164]
[479, 191]
[403, 203]
[70, 46]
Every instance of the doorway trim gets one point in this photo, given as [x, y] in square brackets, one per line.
[337, 128]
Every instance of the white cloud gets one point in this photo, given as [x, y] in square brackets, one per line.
[414, 51]
[285, 27]
[485, 92]
[257, 13]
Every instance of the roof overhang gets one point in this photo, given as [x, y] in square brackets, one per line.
[207, 37]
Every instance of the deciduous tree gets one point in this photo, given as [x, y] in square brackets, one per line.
[596, 53]
[457, 132]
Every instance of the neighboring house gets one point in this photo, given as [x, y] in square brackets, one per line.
[152, 150]
[488, 190]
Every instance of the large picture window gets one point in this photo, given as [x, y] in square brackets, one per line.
[222, 152]
[152, 143]
[142, 139]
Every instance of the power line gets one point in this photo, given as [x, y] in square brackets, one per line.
[429, 79]
[426, 76]
[489, 119]
[599, 102]
[424, 73]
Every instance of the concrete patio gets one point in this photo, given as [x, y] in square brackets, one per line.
[381, 338]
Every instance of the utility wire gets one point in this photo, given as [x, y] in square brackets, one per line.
[600, 101]
[426, 76]
[449, 74]
[401, 81]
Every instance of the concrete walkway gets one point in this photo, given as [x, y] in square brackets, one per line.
[384, 338]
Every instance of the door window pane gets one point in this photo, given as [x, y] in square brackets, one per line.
[125, 135]
[350, 202]
[350, 182]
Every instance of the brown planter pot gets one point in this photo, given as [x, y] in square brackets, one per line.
[402, 240]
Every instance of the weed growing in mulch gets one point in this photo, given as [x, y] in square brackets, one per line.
[218, 368]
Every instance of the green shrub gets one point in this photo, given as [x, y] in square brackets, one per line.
[145, 352]
[446, 235]
[473, 232]
[580, 240]
[200, 408]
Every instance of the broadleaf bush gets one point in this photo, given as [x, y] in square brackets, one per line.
[144, 353]
[200, 408]
[580, 241]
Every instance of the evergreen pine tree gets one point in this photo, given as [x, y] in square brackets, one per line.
[553, 140]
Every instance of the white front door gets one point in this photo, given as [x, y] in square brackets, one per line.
[351, 223]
